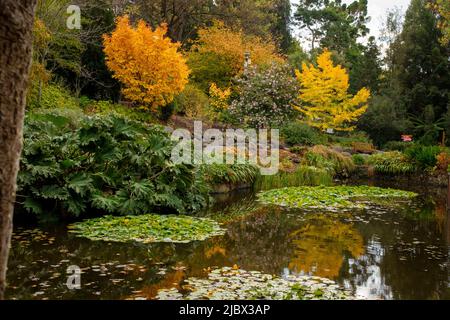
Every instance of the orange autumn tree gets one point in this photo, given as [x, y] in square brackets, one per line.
[326, 103]
[146, 62]
[219, 52]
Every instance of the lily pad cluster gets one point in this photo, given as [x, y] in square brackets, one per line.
[237, 284]
[147, 229]
[338, 197]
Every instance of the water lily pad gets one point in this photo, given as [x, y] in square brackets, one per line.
[147, 229]
[237, 284]
[332, 198]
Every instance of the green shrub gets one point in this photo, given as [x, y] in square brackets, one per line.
[331, 160]
[298, 150]
[302, 176]
[208, 67]
[359, 160]
[235, 174]
[391, 163]
[104, 164]
[297, 133]
[424, 156]
[167, 111]
[348, 140]
[103, 107]
[53, 96]
[84, 102]
[319, 161]
[192, 102]
[386, 118]
[397, 146]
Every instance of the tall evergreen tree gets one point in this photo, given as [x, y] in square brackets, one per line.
[282, 27]
[423, 68]
[366, 68]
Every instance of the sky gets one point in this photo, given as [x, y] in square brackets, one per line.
[377, 12]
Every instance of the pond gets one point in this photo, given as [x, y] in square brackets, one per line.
[400, 252]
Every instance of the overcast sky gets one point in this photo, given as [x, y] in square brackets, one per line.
[377, 11]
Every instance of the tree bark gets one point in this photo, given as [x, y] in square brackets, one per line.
[16, 26]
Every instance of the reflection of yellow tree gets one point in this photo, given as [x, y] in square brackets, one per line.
[215, 250]
[321, 244]
[171, 280]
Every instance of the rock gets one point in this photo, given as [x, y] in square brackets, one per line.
[347, 154]
[168, 129]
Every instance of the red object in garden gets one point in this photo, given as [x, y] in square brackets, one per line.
[407, 138]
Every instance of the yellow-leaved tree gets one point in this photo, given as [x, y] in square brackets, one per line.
[146, 62]
[325, 101]
[219, 53]
[442, 7]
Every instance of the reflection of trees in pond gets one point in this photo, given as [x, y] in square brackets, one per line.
[41, 268]
[229, 210]
[170, 280]
[258, 242]
[405, 256]
[322, 244]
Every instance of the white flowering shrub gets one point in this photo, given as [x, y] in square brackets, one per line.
[266, 97]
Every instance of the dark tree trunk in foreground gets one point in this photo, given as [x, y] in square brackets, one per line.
[16, 26]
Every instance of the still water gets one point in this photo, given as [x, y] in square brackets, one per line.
[378, 253]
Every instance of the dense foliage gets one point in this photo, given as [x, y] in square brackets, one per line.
[392, 163]
[73, 165]
[146, 62]
[302, 176]
[233, 174]
[266, 97]
[297, 133]
[423, 156]
[334, 162]
[219, 51]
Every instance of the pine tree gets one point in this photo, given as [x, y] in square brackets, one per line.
[423, 68]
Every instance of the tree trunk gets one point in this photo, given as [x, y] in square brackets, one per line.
[16, 25]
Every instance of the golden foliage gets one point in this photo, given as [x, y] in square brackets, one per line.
[233, 44]
[146, 62]
[324, 93]
[41, 35]
[219, 98]
[442, 8]
[443, 162]
[320, 247]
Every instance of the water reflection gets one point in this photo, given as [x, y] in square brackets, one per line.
[379, 253]
[322, 245]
